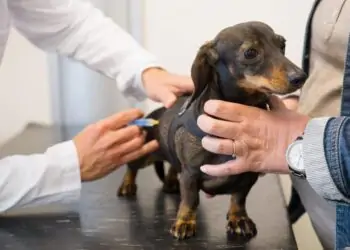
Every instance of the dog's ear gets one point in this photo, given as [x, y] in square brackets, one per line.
[282, 42]
[203, 70]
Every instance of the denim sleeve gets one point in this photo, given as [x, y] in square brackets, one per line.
[326, 154]
[337, 148]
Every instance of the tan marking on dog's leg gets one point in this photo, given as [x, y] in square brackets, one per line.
[185, 224]
[239, 224]
[128, 187]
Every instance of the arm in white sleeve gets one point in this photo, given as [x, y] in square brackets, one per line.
[80, 31]
[40, 179]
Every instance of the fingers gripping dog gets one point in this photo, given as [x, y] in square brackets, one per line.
[244, 63]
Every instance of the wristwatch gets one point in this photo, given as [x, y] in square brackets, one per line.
[294, 156]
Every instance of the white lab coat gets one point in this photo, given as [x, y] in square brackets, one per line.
[76, 29]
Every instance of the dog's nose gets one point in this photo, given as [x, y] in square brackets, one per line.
[297, 79]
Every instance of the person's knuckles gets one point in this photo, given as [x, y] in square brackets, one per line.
[214, 107]
[96, 129]
[224, 110]
[134, 144]
[150, 145]
[139, 141]
[241, 148]
[140, 152]
[218, 170]
[120, 147]
[131, 131]
[209, 144]
[144, 150]
[224, 147]
[168, 100]
[201, 121]
[250, 127]
[219, 128]
[121, 136]
[256, 143]
[227, 170]
[215, 145]
[208, 124]
[130, 116]
[257, 165]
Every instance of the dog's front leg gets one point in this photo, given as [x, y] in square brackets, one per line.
[185, 224]
[128, 187]
[239, 225]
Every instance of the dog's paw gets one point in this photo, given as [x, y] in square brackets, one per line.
[171, 186]
[127, 190]
[183, 229]
[241, 227]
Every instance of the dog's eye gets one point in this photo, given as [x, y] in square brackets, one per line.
[250, 53]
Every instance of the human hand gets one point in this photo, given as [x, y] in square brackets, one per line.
[259, 138]
[108, 144]
[291, 102]
[165, 87]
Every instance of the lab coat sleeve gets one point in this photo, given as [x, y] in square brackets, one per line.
[80, 31]
[40, 179]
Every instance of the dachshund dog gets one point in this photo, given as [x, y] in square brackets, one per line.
[170, 181]
[244, 63]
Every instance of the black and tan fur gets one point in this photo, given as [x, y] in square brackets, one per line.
[257, 67]
[170, 181]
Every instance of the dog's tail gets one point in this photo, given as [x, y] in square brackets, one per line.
[159, 168]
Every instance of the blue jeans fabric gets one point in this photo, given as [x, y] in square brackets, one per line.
[337, 152]
[342, 227]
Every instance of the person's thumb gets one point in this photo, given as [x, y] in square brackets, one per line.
[168, 98]
[228, 168]
[276, 104]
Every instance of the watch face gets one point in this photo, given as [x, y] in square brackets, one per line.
[295, 156]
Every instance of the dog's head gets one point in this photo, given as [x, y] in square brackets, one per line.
[245, 59]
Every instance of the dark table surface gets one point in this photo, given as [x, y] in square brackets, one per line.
[101, 221]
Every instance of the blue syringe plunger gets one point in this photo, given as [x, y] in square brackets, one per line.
[145, 122]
